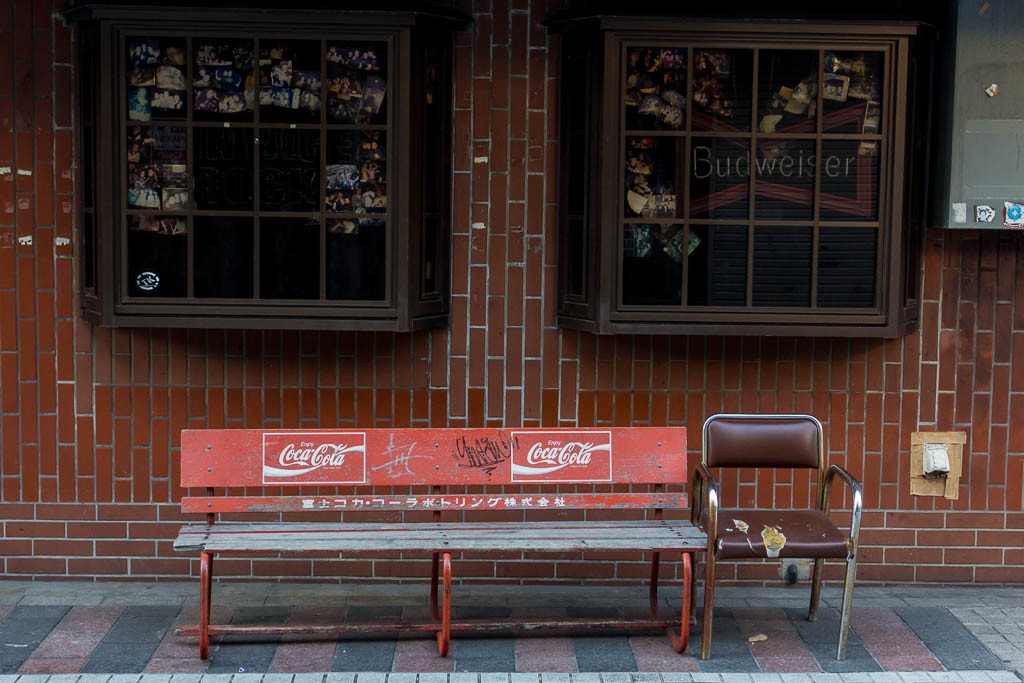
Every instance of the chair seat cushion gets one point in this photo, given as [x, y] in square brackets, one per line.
[778, 533]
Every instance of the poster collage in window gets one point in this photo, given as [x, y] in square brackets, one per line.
[689, 115]
[226, 80]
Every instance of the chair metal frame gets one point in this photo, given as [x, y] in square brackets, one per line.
[704, 512]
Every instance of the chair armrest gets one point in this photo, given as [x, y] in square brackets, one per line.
[858, 499]
[704, 505]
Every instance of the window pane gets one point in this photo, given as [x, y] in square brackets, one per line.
[652, 264]
[356, 259]
[224, 257]
[289, 170]
[852, 92]
[785, 180]
[849, 181]
[846, 267]
[157, 256]
[223, 81]
[719, 178]
[289, 254]
[157, 172]
[717, 265]
[782, 267]
[652, 177]
[655, 87]
[722, 89]
[356, 174]
[357, 82]
[290, 81]
[787, 96]
[156, 85]
[223, 160]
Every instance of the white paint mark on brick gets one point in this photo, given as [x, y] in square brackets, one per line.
[62, 241]
[25, 240]
[24, 204]
[5, 170]
[479, 226]
[480, 160]
[24, 171]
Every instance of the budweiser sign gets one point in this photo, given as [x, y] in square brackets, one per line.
[314, 457]
[561, 456]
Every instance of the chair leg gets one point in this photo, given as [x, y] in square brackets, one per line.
[709, 604]
[693, 588]
[205, 593]
[816, 578]
[844, 619]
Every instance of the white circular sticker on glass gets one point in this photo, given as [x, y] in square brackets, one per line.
[147, 281]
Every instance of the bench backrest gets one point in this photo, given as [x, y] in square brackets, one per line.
[317, 461]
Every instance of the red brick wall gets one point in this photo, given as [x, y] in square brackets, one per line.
[90, 417]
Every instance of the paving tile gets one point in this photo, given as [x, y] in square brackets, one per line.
[788, 664]
[948, 639]
[52, 665]
[130, 643]
[303, 657]
[79, 632]
[176, 665]
[421, 655]
[21, 631]
[368, 677]
[363, 655]
[494, 677]
[545, 654]
[729, 651]
[433, 678]
[655, 653]
[604, 653]
[484, 654]
[155, 678]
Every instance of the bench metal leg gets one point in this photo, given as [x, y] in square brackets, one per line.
[655, 559]
[680, 643]
[435, 559]
[444, 636]
[205, 594]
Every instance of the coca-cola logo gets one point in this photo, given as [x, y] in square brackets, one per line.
[325, 458]
[561, 456]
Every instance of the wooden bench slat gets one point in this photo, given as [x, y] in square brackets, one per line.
[427, 538]
[468, 502]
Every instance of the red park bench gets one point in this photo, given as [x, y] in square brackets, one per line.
[445, 481]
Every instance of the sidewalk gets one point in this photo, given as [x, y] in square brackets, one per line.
[61, 632]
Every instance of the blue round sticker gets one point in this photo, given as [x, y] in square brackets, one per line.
[1014, 213]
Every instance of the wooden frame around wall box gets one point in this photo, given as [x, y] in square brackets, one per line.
[948, 486]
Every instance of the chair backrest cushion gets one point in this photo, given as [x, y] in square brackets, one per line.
[762, 441]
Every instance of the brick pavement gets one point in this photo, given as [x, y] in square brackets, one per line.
[83, 633]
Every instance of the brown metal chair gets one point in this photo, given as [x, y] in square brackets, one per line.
[772, 441]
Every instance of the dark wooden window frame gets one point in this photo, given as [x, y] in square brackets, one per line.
[418, 168]
[594, 136]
